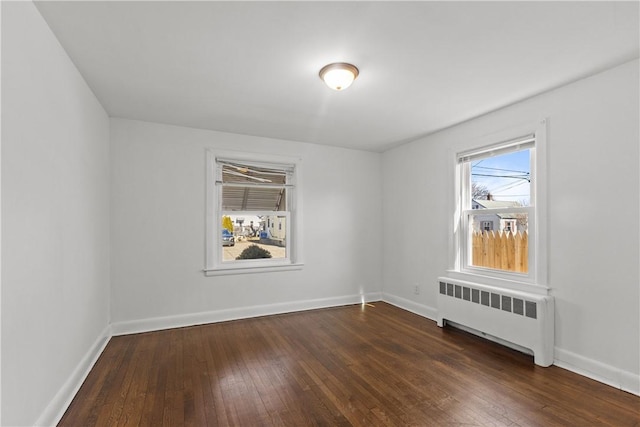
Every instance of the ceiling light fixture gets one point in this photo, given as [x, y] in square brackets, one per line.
[339, 75]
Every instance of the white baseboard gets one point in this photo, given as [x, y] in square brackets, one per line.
[55, 410]
[182, 320]
[412, 306]
[597, 371]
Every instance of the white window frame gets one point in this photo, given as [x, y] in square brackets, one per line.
[535, 280]
[214, 264]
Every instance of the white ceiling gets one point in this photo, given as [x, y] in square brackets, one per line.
[252, 67]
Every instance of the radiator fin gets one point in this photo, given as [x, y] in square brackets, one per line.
[484, 298]
[506, 303]
[475, 296]
[518, 306]
[531, 309]
[495, 300]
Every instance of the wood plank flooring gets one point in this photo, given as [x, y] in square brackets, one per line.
[375, 365]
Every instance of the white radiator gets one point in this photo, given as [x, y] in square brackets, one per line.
[517, 317]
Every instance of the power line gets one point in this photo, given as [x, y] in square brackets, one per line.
[499, 169]
[526, 178]
[506, 187]
[503, 188]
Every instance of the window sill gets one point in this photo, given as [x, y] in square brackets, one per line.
[226, 271]
[514, 283]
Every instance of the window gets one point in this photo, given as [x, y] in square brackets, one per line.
[509, 226]
[499, 209]
[246, 199]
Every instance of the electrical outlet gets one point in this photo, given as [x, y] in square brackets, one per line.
[416, 289]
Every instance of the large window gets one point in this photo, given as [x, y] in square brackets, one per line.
[498, 209]
[251, 221]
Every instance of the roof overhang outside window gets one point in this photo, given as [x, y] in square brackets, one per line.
[254, 187]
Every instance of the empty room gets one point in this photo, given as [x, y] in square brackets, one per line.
[320, 213]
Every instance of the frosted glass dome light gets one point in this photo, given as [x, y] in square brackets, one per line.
[339, 75]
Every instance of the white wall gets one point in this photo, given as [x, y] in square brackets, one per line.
[158, 229]
[593, 204]
[55, 225]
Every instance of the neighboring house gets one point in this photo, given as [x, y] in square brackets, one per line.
[496, 222]
[275, 230]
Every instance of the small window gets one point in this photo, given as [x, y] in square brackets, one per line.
[247, 199]
[509, 226]
[487, 225]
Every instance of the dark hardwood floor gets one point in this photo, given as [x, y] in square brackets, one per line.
[361, 366]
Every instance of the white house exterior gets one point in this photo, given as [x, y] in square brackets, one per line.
[275, 230]
[496, 222]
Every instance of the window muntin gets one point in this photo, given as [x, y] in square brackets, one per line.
[498, 208]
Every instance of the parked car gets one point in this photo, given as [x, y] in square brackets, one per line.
[227, 238]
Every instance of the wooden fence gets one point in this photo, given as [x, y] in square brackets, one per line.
[501, 250]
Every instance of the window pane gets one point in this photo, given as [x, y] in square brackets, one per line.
[253, 199]
[267, 232]
[505, 246]
[241, 173]
[501, 181]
